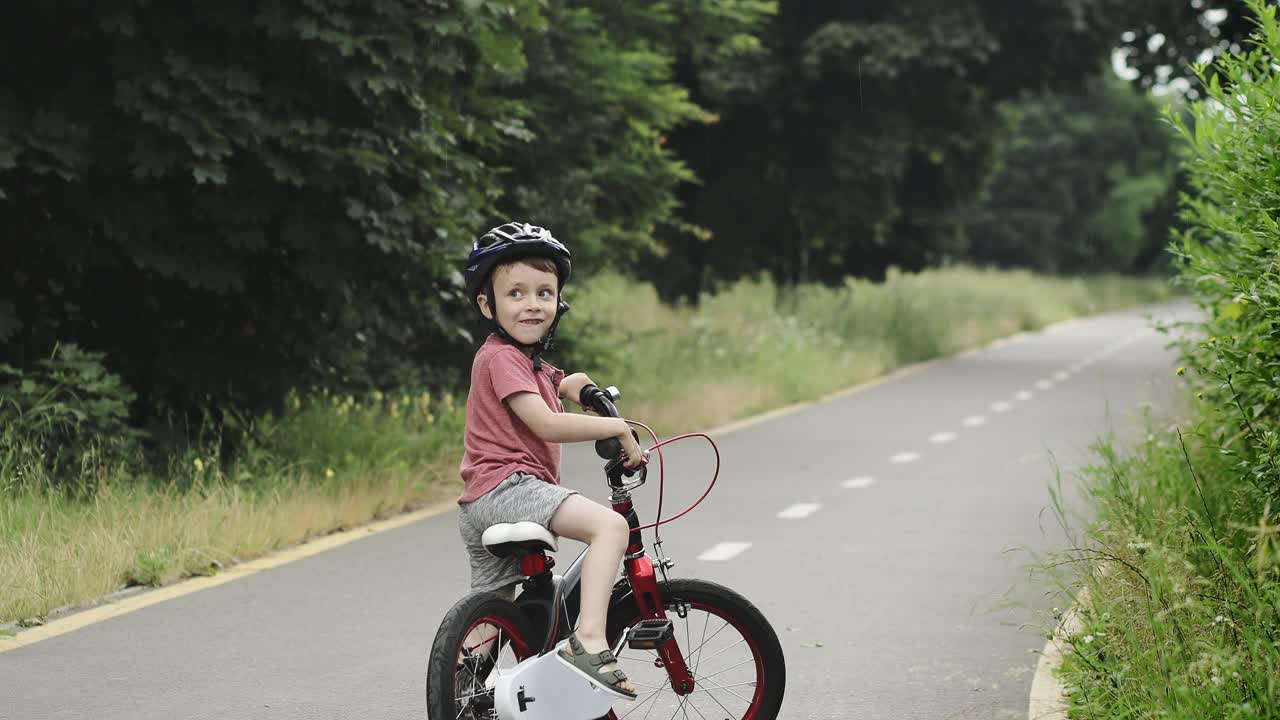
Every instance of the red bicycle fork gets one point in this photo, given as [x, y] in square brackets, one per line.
[644, 587]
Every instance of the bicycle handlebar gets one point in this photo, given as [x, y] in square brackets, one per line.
[602, 402]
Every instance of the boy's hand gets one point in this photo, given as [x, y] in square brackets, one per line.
[635, 456]
[571, 386]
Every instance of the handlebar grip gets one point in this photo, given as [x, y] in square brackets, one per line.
[609, 448]
[601, 401]
[587, 396]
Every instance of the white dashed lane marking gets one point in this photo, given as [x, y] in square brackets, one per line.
[1023, 394]
[724, 551]
[799, 510]
[1043, 384]
[942, 437]
[858, 483]
[905, 457]
[1061, 375]
[973, 421]
[1000, 406]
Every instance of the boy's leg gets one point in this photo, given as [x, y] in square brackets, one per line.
[606, 533]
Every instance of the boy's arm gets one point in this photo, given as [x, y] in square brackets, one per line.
[563, 427]
[571, 387]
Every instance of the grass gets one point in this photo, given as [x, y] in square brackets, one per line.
[753, 346]
[1184, 621]
[333, 462]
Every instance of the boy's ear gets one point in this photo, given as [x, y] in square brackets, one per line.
[485, 310]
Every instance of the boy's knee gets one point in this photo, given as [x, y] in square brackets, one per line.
[617, 527]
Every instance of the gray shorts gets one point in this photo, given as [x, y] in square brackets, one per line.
[519, 497]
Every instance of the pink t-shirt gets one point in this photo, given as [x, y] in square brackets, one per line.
[497, 443]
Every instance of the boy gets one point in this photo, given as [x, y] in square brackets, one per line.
[515, 422]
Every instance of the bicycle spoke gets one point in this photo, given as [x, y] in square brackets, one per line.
[695, 667]
[695, 708]
[680, 707]
[705, 622]
[645, 685]
[713, 635]
[725, 688]
[652, 696]
[722, 707]
[744, 662]
[749, 683]
[656, 697]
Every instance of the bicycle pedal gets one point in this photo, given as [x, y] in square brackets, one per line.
[650, 634]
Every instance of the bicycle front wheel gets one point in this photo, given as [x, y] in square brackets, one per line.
[481, 632]
[738, 669]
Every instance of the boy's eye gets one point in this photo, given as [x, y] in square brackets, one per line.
[546, 293]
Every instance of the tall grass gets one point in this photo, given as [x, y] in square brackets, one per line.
[754, 346]
[1183, 621]
[332, 462]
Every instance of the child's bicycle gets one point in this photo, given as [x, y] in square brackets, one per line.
[692, 648]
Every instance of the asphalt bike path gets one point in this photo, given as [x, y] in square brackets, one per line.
[885, 533]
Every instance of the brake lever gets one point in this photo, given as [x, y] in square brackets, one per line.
[616, 469]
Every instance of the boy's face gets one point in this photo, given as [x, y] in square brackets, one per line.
[526, 299]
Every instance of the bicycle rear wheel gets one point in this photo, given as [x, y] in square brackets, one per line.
[733, 653]
[481, 632]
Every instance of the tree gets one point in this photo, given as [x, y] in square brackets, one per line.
[1163, 38]
[856, 142]
[230, 202]
[1084, 183]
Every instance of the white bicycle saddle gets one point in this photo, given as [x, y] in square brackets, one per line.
[506, 539]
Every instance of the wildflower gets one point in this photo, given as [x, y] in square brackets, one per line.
[1219, 619]
[1088, 639]
[1182, 371]
[1213, 340]
[199, 465]
[328, 472]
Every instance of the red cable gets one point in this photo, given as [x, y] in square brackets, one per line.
[662, 472]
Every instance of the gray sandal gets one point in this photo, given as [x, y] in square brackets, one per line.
[589, 664]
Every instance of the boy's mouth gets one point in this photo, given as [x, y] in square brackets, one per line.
[530, 322]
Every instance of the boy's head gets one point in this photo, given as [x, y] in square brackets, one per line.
[514, 276]
[522, 297]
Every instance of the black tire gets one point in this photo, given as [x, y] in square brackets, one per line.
[710, 600]
[448, 668]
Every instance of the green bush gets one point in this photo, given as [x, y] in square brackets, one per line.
[66, 416]
[1230, 247]
[1183, 621]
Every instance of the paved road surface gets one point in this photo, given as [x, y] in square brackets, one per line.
[897, 577]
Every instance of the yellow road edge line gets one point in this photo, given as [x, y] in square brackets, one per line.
[113, 609]
[127, 605]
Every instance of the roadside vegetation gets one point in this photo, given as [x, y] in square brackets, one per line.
[78, 521]
[1182, 615]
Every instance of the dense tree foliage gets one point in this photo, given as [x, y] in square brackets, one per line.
[1084, 183]
[856, 141]
[230, 202]
[227, 201]
[1163, 39]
